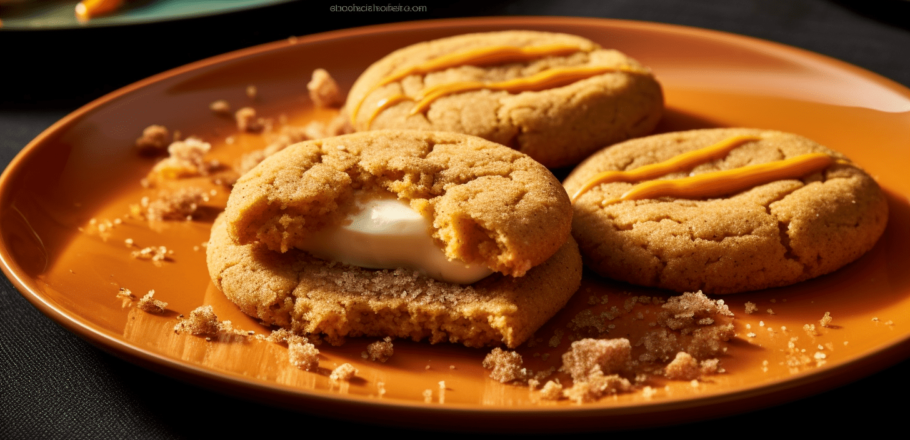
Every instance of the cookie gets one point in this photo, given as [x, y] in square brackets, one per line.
[487, 204]
[311, 296]
[555, 97]
[773, 232]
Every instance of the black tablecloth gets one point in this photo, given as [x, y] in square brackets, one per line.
[55, 385]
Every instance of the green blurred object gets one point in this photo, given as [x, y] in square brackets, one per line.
[60, 14]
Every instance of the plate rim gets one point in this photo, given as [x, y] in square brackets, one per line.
[795, 386]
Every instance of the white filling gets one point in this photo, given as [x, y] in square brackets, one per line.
[388, 234]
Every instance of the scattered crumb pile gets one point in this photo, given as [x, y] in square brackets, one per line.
[343, 372]
[153, 253]
[691, 322]
[594, 365]
[380, 350]
[686, 335]
[506, 366]
[149, 304]
[686, 367]
[324, 90]
[179, 205]
[185, 159]
[303, 354]
[203, 322]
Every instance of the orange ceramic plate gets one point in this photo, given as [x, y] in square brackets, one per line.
[84, 168]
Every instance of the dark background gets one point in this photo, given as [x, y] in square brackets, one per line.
[54, 385]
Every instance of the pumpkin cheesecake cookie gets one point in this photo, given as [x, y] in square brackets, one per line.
[723, 210]
[419, 235]
[555, 97]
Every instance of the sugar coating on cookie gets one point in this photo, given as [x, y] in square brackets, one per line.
[770, 235]
[556, 126]
[488, 204]
[311, 296]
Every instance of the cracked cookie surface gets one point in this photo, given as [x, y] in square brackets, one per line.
[488, 204]
[771, 235]
[557, 127]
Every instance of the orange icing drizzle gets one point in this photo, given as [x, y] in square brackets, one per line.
[473, 57]
[677, 163]
[711, 184]
[556, 77]
[724, 182]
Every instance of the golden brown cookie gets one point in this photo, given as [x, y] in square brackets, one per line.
[771, 234]
[313, 296]
[488, 204]
[557, 125]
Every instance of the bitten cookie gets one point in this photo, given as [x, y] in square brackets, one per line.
[775, 232]
[487, 204]
[555, 97]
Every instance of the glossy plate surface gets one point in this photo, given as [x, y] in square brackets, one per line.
[84, 168]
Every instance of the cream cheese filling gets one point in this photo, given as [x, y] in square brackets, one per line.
[385, 233]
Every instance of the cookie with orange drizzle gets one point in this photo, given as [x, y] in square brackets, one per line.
[723, 210]
[554, 97]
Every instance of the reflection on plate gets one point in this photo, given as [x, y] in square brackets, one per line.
[84, 168]
[60, 14]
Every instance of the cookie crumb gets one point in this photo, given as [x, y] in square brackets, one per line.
[343, 372]
[606, 355]
[506, 366]
[683, 367]
[179, 205]
[154, 140]
[810, 329]
[149, 304]
[153, 253]
[304, 355]
[251, 91]
[324, 90]
[247, 120]
[202, 321]
[380, 388]
[771, 312]
[427, 396]
[751, 308]
[220, 107]
[126, 294]
[648, 392]
[596, 386]
[380, 350]
[826, 320]
[551, 391]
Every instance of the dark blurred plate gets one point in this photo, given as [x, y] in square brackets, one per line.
[60, 14]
